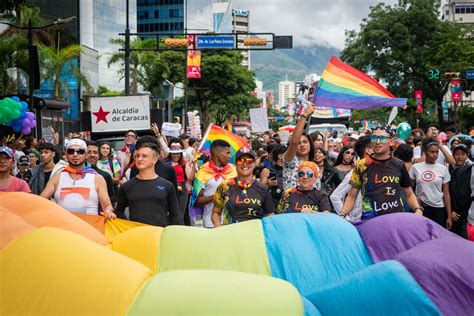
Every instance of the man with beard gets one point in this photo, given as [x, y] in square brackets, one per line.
[78, 188]
[92, 156]
[380, 178]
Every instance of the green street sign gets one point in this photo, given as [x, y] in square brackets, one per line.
[433, 74]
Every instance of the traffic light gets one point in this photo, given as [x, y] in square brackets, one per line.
[176, 42]
[255, 41]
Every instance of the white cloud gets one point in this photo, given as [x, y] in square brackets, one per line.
[311, 21]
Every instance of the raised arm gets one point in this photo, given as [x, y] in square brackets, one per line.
[295, 138]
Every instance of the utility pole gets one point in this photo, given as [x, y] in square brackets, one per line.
[127, 50]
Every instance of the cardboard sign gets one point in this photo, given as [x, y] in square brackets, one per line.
[171, 129]
[112, 114]
[259, 120]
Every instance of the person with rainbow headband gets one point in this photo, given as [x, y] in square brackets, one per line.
[78, 188]
[242, 198]
[304, 198]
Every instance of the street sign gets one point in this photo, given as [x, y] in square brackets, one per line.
[470, 74]
[216, 42]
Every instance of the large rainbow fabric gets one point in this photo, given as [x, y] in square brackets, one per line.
[342, 86]
[215, 132]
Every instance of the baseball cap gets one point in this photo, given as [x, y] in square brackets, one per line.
[24, 160]
[6, 150]
[244, 151]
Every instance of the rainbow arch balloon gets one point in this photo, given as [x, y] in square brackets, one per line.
[52, 262]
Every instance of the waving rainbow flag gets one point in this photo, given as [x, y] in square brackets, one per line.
[215, 132]
[342, 86]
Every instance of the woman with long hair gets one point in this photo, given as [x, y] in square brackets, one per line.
[432, 184]
[344, 162]
[326, 172]
[300, 148]
[107, 162]
[184, 172]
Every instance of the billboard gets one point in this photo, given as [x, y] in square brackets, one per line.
[112, 114]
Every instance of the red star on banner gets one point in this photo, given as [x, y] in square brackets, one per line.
[101, 115]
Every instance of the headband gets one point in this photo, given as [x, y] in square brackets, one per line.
[386, 128]
[431, 144]
[77, 142]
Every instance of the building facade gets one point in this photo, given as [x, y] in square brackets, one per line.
[459, 11]
[286, 92]
[241, 24]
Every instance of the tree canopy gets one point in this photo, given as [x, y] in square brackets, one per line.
[401, 43]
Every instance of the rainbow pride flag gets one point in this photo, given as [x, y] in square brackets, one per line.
[342, 86]
[215, 132]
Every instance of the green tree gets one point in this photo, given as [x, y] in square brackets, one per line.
[140, 63]
[224, 88]
[401, 43]
[13, 50]
[55, 65]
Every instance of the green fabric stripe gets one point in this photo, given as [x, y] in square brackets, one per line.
[238, 247]
[326, 85]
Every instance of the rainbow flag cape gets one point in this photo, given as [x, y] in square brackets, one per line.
[342, 86]
[204, 174]
[215, 132]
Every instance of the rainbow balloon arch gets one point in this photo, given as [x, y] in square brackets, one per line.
[53, 262]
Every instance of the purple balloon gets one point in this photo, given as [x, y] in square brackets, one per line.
[33, 124]
[26, 130]
[30, 115]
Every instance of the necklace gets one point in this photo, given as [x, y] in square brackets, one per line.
[245, 185]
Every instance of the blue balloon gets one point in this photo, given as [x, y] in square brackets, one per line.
[24, 106]
[22, 114]
[16, 99]
[16, 128]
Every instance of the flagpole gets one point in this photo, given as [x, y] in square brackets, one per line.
[203, 140]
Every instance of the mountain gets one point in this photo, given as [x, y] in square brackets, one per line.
[271, 67]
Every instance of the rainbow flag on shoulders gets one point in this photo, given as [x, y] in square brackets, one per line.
[215, 132]
[342, 86]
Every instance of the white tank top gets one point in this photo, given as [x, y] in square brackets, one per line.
[79, 196]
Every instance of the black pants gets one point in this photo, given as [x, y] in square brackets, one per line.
[436, 214]
[460, 227]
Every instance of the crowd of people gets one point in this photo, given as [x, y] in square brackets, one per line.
[163, 181]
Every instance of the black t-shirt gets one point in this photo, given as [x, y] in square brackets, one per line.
[295, 200]
[109, 182]
[240, 208]
[276, 172]
[47, 175]
[380, 182]
[151, 202]
[163, 170]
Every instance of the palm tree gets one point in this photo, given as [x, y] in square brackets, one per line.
[14, 55]
[27, 14]
[138, 60]
[56, 64]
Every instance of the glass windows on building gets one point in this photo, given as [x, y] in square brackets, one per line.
[464, 9]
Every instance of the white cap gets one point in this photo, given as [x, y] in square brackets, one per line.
[77, 142]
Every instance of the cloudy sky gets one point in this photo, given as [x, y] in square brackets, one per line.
[309, 21]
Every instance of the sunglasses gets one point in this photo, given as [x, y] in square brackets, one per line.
[301, 174]
[72, 151]
[382, 139]
[247, 161]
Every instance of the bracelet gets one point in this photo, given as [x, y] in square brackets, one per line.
[305, 117]
[419, 208]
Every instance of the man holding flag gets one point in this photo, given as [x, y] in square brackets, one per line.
[208, 178]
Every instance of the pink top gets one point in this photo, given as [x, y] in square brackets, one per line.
[16, 185]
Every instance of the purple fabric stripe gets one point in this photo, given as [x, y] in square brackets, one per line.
[356, 103]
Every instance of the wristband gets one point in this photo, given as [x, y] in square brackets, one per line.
[305, 117]
[419, 208]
